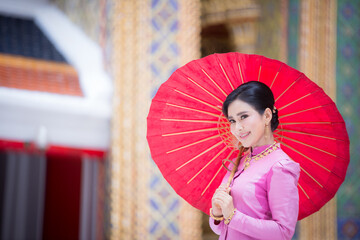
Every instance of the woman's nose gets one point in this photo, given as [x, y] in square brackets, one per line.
[239, 127]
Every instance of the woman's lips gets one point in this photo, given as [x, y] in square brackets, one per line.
[242, 136]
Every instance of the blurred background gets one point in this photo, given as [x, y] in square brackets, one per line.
[76, 82]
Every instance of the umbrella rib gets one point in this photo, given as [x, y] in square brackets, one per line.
[214, 82]
[294, 101]
[274, 79]
[192, 109]
[287, 89]
[196, 99]
[194, 143]
[311, 177]
[261, 59]
[242, 80]
[291, 139]
[226, 76]
[259, 73]
[303, 155]
[276, 76]
[193, 131]
[202, 169]
[309, 134]
[216, 174]
[191, 80]
[305, 110]
[303, 191]
[188, 120]
[202, 153]
[211, 180]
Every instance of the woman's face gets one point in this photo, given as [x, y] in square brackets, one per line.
[247, 125]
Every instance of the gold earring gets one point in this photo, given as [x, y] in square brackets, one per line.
[265, 130]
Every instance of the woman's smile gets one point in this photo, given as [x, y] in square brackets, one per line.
[244, 135]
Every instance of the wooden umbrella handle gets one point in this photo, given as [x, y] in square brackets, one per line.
[236, 164]
[233, 172]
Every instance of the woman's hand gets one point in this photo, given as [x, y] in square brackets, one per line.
[217, 200]
[224, 201]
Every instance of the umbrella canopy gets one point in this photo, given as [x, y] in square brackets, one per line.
[189, 136]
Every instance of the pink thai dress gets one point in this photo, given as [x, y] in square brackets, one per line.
[266, 198]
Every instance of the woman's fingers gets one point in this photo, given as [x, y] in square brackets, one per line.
[224, 199]
[223, 194]
[223, 188]
[216, 205]
[221, 200]
[218, 202]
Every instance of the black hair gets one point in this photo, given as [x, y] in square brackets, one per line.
[256, 94]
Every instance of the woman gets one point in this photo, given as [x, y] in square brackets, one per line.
[262, 200]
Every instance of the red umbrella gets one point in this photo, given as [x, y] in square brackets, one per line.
[189, 137]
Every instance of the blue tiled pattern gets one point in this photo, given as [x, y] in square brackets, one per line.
[348, 102]
[163, 201]
[164, 207]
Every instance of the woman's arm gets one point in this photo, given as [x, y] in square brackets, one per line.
[283, 200]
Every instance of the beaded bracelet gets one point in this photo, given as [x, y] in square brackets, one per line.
[227, 221]
[216, 218]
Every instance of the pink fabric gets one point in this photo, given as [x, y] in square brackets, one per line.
[266, 198]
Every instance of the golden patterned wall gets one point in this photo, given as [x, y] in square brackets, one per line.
[272, 33]
[189, 41]
[142, 205]
[317, 59]
[129, 153]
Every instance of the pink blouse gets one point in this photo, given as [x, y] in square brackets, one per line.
[266, 198]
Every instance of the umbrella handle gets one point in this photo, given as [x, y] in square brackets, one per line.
[232, 172]
[237, 161]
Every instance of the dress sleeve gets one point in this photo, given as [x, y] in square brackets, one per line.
[283, 198]
[217, 228]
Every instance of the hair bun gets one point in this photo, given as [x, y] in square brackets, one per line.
[275, 119]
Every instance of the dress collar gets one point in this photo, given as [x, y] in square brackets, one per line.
[257, 150]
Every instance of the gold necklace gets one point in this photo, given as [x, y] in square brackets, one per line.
[264, 153]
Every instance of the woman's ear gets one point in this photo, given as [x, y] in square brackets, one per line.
[267, 116]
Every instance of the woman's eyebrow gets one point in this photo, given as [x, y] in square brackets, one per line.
[241, 113]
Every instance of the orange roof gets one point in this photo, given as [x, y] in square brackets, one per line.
[38, 75]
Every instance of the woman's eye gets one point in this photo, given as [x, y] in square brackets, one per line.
[231, 121]
[243, 116]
